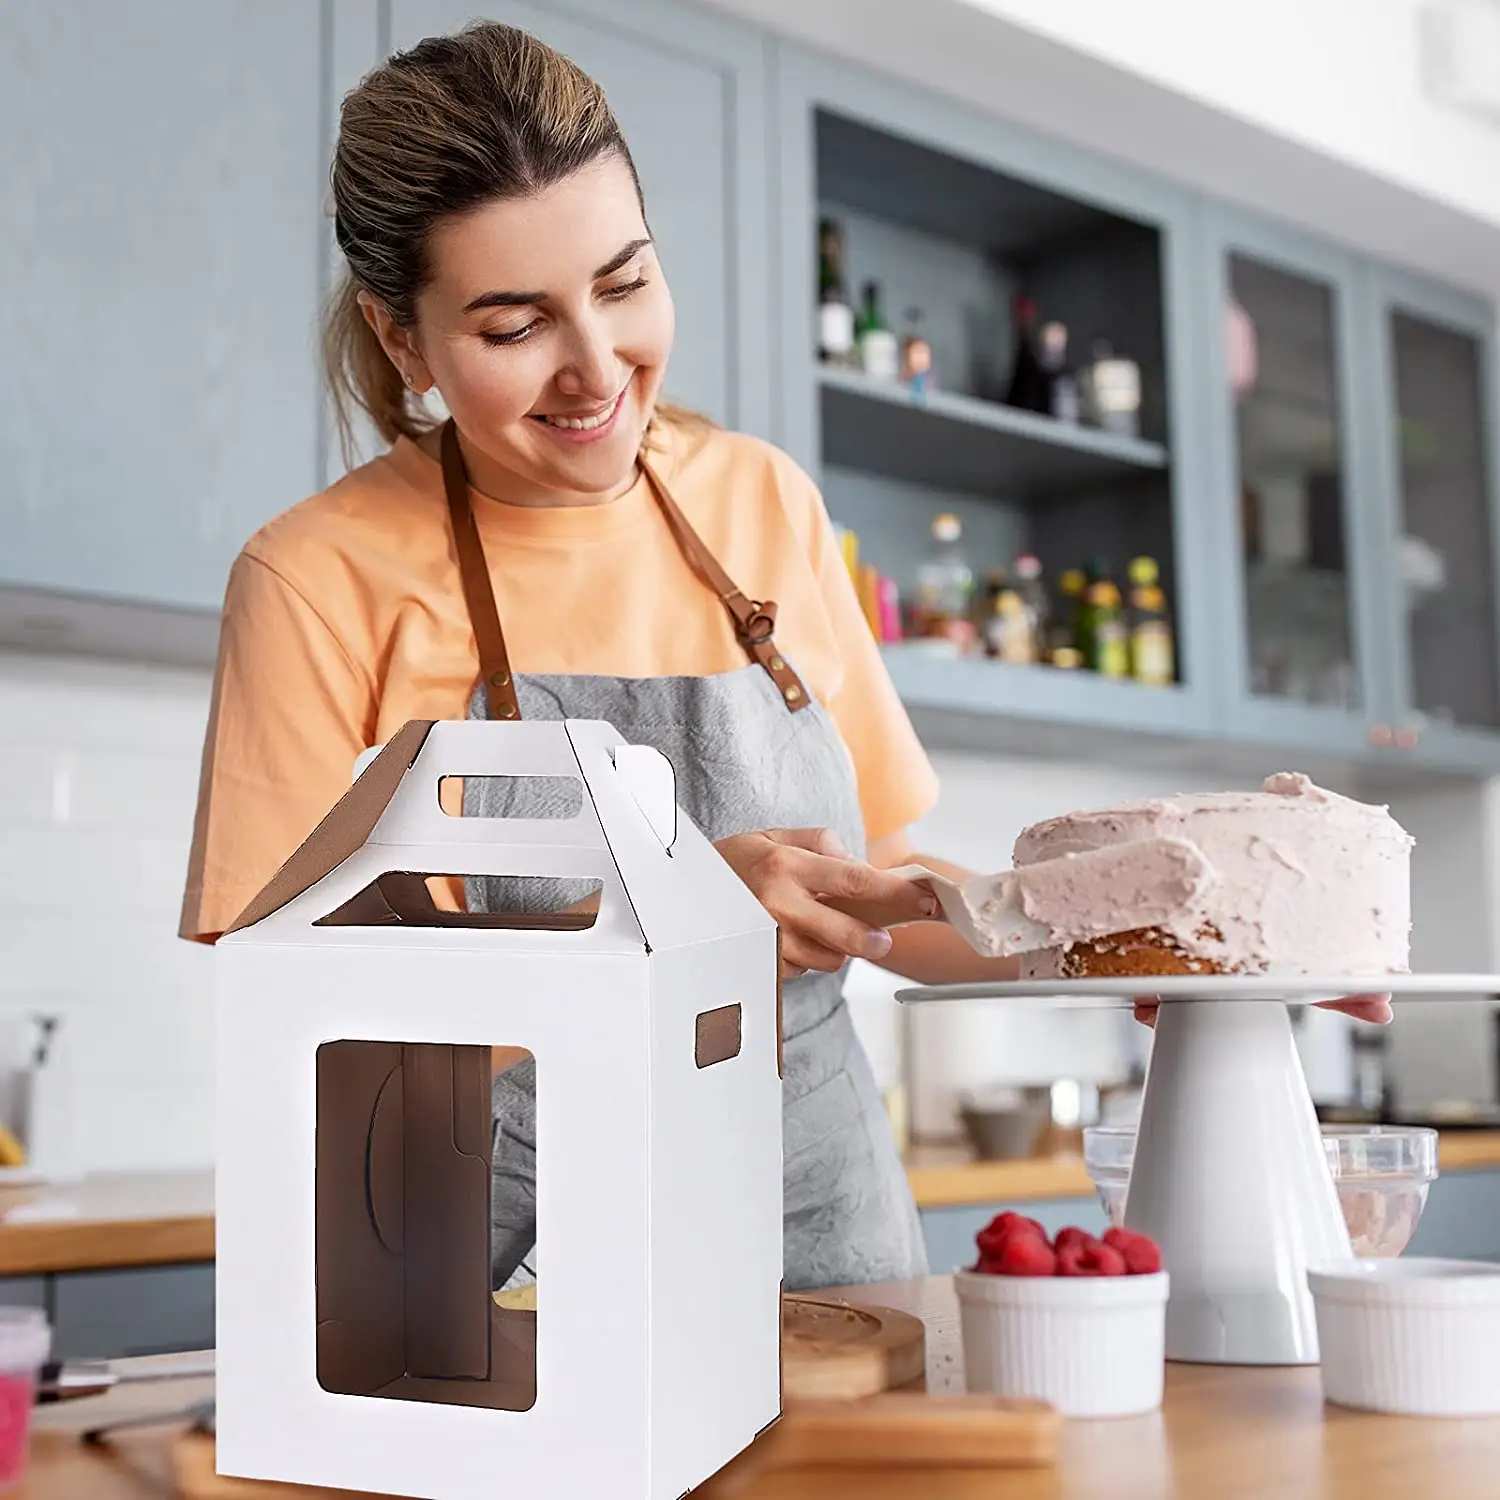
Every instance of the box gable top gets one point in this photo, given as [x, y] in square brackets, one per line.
[663, 884]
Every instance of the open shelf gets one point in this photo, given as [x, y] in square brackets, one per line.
[1006, 706]
[960, 443]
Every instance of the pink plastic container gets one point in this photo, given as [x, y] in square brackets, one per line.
[25, 1340]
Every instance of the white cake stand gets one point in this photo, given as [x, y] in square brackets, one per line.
[1229, 1174]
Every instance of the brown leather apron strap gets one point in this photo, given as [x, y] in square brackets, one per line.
[754, 622]
[479, 592]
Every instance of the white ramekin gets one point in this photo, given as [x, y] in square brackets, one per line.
[1416, 1336]
[1091, 1346]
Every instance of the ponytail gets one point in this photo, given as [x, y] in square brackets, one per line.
[361, 376]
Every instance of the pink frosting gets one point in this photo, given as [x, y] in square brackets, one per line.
[1292, 879]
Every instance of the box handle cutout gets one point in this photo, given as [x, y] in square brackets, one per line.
[718, 1036]
[557, 798]
[534, 903]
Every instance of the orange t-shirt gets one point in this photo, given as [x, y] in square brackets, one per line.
[344, 619]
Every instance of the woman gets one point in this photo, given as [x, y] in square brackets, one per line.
[570, 525]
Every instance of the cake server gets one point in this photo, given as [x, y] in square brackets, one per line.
[1144, 883]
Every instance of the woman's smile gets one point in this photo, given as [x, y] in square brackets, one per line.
[583, 425]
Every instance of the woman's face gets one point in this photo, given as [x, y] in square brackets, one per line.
[546, 326]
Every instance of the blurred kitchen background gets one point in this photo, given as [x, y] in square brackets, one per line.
[1145, 353]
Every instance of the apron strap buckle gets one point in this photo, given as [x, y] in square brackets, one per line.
[756, 627]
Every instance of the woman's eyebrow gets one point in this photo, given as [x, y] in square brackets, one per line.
[527, 299]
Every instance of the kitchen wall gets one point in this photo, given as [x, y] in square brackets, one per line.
[1348, 78]
[98, 774]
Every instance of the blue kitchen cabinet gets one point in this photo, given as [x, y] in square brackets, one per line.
[688, 88]
[158, 242]
[1462, 1217]
[23, 1291]
[140, 1310]
[1296, 506]
[1432, 373]
[954, 213]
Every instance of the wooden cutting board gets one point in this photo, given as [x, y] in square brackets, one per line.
[852, 1403]
[834, 1350]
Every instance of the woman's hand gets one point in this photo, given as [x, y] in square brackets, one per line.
[793, 872]
[1375, 1008]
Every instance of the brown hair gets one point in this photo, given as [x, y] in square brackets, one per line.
[456, 122]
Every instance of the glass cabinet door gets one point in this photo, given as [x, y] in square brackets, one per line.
[1293, 481]
[1439, 401]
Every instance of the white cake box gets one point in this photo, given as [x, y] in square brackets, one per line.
[359, 1345]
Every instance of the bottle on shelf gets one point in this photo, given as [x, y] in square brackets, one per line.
[1027, 569]
[945, 587]
[1152, 652]
[1111, 390]
[1063, 400]
[1008, 634]
[985, 596]
[1102, 637]
[835, 314]
[1028, 381]
[1071, 587]
[889, 597]
[879, 353]
[848, 541]
[916, 356]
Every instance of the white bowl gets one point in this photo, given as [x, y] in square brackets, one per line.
[1418, 1336]
[1091, 1346]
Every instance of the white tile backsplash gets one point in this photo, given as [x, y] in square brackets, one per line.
[98, 780]
[99, 771]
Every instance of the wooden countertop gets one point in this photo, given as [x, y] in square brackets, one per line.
[109, 1220]
[1222, 1434]
[950, 1177]
[164, 1218]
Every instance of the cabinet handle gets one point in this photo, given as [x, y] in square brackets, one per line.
[1380, 735]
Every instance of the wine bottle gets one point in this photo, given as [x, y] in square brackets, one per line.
[879, 352]
[1028, 381]
[835, 315]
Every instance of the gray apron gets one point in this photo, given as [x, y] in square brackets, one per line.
[751, 751]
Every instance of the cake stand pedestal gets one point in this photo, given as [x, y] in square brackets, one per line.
[1230, 1176]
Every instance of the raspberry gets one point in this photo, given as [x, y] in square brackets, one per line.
[1140, 1253]
[1002, 1226]
[1090, 1259]
[1072, 1235]
[1020, 1255]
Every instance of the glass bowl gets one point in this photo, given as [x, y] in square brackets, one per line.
[1381, 1173]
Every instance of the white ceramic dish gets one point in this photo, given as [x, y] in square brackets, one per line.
[1090, 1346]
[1416, 1337]
[1291, 988]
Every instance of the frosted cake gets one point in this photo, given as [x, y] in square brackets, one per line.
[1292, 879]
